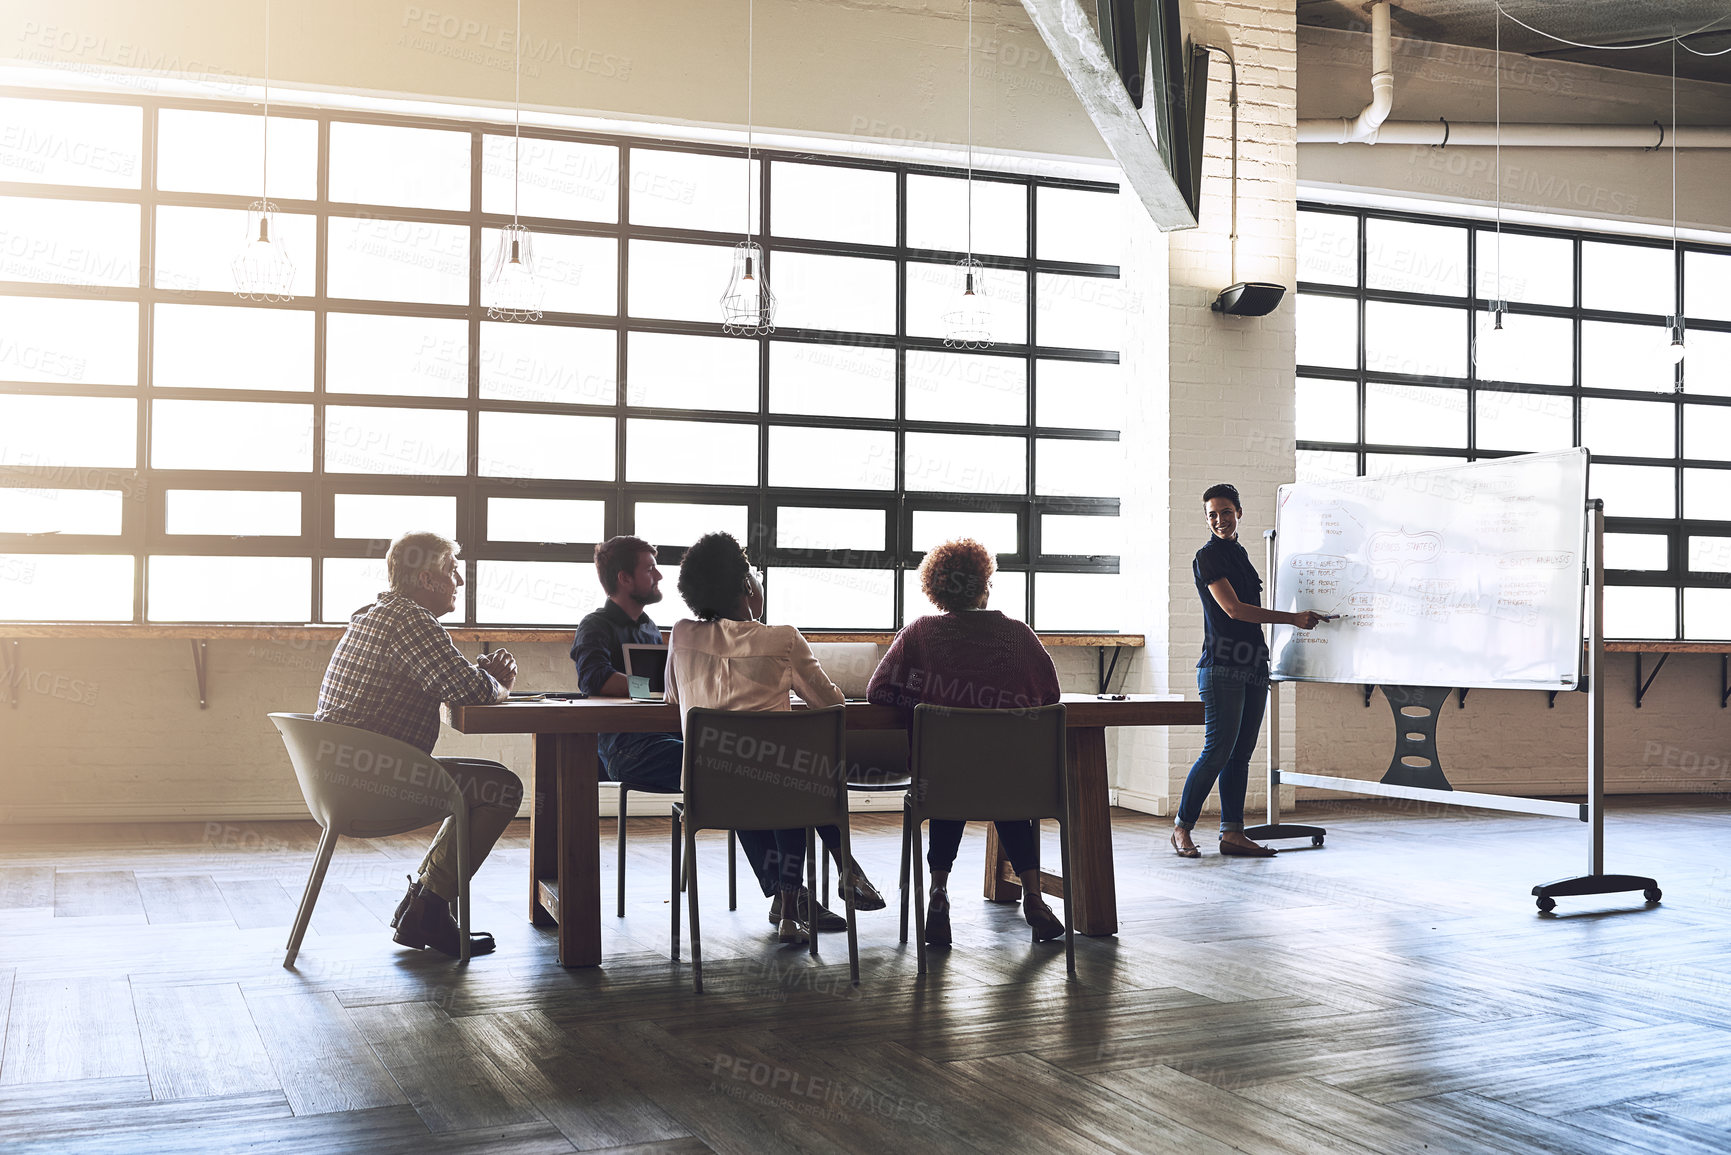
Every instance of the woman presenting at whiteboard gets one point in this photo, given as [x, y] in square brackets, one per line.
[1232, 677]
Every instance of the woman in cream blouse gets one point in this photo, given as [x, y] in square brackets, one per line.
[729, 660]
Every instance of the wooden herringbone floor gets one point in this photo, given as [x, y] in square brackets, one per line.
[1393, 992]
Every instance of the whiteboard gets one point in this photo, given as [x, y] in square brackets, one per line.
[1466, 576]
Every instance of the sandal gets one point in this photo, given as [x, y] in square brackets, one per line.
[1183, 851]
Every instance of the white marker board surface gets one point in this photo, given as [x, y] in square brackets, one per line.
[1465, 576]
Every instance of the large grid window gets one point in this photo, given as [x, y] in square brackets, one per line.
[173, 453]
[1394, 372]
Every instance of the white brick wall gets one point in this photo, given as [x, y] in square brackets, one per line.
[1230, 380]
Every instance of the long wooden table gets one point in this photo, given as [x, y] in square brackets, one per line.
[565, 827]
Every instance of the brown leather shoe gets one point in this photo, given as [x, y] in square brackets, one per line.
[1246, 850]
[825, 919]
[403, 906]
[427, 922]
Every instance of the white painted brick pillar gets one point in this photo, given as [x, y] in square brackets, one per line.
[1229, 382]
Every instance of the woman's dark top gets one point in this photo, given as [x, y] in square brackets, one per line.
[1225, 641]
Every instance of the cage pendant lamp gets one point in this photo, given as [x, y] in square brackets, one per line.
[968, 322]
[513, 292]
[263, 269]
[748, 307]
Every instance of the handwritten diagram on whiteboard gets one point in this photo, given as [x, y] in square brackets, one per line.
[1466, 576]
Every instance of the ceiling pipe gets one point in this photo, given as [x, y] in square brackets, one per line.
[1363, 127]
[1443, 132]
[1372, 126]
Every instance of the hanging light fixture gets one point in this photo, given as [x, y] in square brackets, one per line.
[1493, 344]
[748, 307]
[513, 292]
[263, 270]
[969, 324]
[1674, 352]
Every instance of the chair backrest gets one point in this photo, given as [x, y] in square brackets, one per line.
[988, 764]
[765, 770]
[363, 784]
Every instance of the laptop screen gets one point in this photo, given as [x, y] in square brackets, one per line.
[647, 662]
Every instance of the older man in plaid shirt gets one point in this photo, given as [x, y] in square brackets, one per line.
[388, 674]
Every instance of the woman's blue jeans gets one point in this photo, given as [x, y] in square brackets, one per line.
[1233, 702]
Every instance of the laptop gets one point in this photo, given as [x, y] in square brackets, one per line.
[646, 671]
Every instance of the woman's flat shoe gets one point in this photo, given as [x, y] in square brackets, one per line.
[1045, 924]
[865, 895]
[1240, 850]
[1184, 851]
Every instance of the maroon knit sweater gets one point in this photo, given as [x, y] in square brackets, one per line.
[974, 659]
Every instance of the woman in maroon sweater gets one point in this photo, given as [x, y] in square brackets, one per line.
[977, 659]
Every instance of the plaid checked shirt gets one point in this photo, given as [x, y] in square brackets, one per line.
[393, 667]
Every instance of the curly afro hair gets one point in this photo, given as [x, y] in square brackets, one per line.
[713, 574]
[954, 575]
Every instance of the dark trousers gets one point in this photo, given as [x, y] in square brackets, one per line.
[1233, 702]
[1017, 839]
[777, 857]
[651, 762]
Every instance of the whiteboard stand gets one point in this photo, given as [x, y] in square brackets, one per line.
[1275, 828]
[1592, 812]
[1595, 881]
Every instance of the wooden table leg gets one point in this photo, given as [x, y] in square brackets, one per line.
[543, 833]
[578, 818]
[1093, 889]
[1002, 883]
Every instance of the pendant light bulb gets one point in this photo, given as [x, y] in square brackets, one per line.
[1676, 351]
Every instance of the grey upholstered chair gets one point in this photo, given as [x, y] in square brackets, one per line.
[359, 784]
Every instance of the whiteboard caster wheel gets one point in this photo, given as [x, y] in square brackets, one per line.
[1652, 894]
[1316, 840]
[1547, 903]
